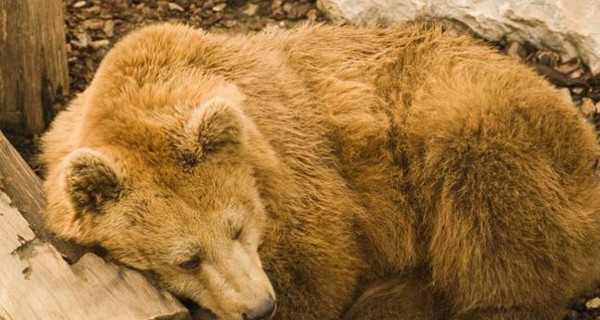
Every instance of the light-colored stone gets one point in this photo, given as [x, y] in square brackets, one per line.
[593, 303]
[571, 28]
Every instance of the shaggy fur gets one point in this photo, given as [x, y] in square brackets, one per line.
[424, 175]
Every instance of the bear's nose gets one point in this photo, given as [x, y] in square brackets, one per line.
[263, 311]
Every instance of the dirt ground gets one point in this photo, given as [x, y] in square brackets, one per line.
[93, 26]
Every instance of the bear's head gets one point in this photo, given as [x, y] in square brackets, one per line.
[183, 206]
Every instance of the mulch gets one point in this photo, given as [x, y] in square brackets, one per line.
[93, 26]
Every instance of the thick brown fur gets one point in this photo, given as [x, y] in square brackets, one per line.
[400, 298]
[356, 156]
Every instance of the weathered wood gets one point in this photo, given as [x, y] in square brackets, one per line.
[37, 283]
[33, 63]
[26, 191]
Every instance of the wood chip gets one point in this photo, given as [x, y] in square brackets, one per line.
[569, 66]
[576, 74]
[79, 4]
[220, 7]
[312, 15]
[175, 7]
[515, 50]
[250, 9]
[93, 24]
[99, 43]
[550, 59]
[83, 40]
[560, 79]
[109, 28]
[93, 10]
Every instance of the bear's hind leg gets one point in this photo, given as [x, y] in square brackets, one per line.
[514, 211]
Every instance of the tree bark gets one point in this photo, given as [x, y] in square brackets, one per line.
[33, 63]
[36, 282]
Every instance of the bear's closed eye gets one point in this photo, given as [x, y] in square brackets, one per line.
[191, 264]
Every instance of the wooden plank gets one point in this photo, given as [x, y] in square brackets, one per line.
[26, 191]
[37, 283]
[33, 63]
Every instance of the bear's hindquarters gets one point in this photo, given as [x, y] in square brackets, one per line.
[513, 214]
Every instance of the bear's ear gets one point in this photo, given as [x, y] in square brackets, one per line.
[90, 181]
[215, 126]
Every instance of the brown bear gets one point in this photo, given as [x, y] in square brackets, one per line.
[380, 173]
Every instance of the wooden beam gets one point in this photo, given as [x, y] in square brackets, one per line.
[26, 191]
[33, 63]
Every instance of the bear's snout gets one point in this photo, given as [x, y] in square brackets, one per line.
[263, 311]
[237, 286]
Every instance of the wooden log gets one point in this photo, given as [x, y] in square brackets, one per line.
[37, 283]
[26, 191]
[33, 63]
